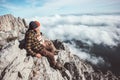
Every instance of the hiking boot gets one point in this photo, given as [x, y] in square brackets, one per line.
[63, 69]
[56, 52]
[58, 66]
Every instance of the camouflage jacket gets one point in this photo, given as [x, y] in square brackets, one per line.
[33, 45]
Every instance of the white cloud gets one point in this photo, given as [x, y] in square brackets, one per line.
[44, 7]
[86, 56]
[102, 29]
[94, 29]
[34, 3]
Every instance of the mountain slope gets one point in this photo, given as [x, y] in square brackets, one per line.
[15, 65]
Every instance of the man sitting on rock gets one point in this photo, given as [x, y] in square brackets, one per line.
[37, 46]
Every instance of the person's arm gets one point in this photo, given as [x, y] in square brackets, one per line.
[29, 38]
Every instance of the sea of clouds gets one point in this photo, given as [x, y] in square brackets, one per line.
[90, 29]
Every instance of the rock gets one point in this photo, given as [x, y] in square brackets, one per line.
[16, 65]
[9, 22]
[11, 27]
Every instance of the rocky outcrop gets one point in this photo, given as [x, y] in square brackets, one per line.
[15, 65]
[11, 28]
[9, 22]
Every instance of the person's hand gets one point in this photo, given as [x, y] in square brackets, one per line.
[38, 55]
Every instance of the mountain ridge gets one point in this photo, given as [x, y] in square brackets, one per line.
[15, 65]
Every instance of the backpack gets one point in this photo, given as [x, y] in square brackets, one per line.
[22, 44]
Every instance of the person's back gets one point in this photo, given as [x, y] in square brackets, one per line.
[32, 44]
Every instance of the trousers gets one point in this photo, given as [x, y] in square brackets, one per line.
[49, 52]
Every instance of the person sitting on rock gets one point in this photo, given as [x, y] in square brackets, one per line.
[37, 46]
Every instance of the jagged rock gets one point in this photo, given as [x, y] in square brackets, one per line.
[16, 65]
[9, 22]
[11, 27]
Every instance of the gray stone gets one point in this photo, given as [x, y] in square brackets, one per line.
[15, 65]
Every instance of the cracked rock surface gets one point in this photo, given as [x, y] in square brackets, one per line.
[15, 65]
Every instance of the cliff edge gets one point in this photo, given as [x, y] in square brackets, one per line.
[16, 65]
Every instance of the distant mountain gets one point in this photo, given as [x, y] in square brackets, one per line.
[15, 65]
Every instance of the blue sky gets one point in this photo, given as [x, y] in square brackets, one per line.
[32, 8]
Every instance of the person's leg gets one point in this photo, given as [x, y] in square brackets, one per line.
[50, 47]
[49, 55]
[53, 48]
[51, 59]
